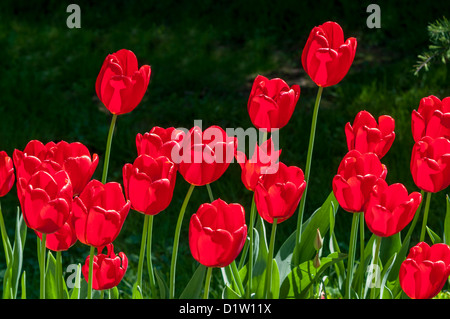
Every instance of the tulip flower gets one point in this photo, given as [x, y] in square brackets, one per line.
[217, 233]
[426, 269]
[76, 160]
[263, 161]
[149, 183]
[108, 269]
[390, 208]
[7, 176]
[99, 213]
[432, 118]
[277, 195]
[46, 200]
[366, 135]
[355, 178]
[120, 84]
[326, 57]
[159, 142]
[63, 238]
[27, 161]
[430, 164]
[205, 156]
[271, 103]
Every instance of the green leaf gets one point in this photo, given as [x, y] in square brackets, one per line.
[76, 290]
[114, 293]
[136, 292]
[275, 292]
[195, 285]
[298, 283]
[51, 285]
[434, 237]
[23, 282]
[385, 275]
[162, 285]
[17, 260]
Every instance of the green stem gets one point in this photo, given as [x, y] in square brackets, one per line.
[211, 197]
[237, 278]
[425, 216]
[249, 248]
[176, 242]
[108, 148]
[351, 255]
[149, 254]
[375, 262]
[308, 163]
[269, 260]
[42, 265]
[361, 243]
[91, 269]
[142, 251]
[4, 237]
[207, 282]
[59, 278]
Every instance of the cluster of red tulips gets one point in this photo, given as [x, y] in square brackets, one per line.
[62, 204]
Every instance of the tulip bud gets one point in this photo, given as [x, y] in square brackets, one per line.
[318, 241]
[316, 261]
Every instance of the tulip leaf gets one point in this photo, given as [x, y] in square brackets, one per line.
[51, 284]
[23, 283]
[194, 287]
[229, 293]
[447, 222]
[299, 281]
[136, 292]
[385, 275]
[433, 236]
[162, 285]
[114, 293]
[76, 290]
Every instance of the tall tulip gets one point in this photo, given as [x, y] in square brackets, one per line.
[326, 57]
[432, 118]
[159, 142]
[366, 135]
[120, 84]
[271, 103]
[425, 271]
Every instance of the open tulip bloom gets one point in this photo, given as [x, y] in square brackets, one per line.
[432, 118]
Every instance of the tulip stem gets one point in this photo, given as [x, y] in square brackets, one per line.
[207, 282]
[91, 269]
[308, 163]
[149, 254]
[375, 262]
[4, 237]
[351, 255]
[142, 251]
[211, 197]
[270, 260]
[59, 278]
[108, 148]
[176, 242]
[361, 238]
[425, 216]
[42, 265]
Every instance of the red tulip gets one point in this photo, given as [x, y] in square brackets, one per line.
[271, 103]
[205, 156]
[76, 160]
[6, 173]
[326, 58]
[263, 161]
[432, 118]
[355, 178]
[149, 183]
[390, 208]
[28, 160]
[99, 213]
[120, 84]
[430, 164]
[159, 142]
[217, 233]
[63, 238]
[277, 195]
[46, 200]
[367, 136]
[425, 270]
[108, 270]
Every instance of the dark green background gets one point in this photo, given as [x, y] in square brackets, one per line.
[204, 56]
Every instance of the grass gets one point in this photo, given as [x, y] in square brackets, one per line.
[204, 57]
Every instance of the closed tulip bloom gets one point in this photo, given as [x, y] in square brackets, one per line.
[368, 136]
[149, 183]
[7, 176]
[357, 174]
[46, 200]
[432, 118]
[425, 271]
[108, 269]
[271, 103]
[76, 160]
[430, 164]
[263, 161]
[205, 156]
[99, 213]
[326, 57]
[120, 84]
[159, 142]
[277, 195]
[63, 238]
[217, 233]
[390, 208]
